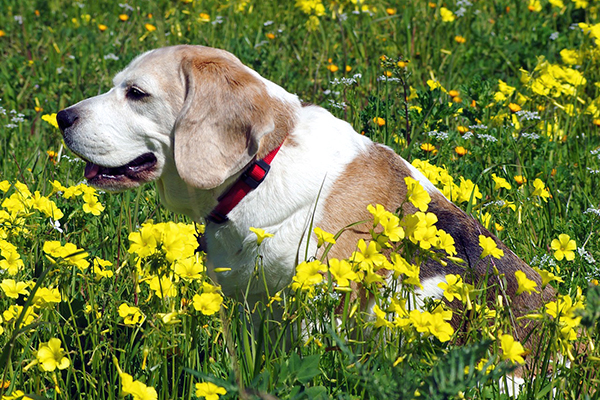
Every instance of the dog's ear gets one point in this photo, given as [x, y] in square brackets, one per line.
[225, 114]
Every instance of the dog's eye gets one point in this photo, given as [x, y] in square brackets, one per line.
[135, 93]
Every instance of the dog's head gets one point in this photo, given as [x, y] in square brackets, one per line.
[191, 113]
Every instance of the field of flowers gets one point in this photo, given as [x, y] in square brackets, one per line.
[105, 296]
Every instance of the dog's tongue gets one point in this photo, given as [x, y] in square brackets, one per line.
[91, 170]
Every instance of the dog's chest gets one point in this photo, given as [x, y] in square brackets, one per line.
[245, 269]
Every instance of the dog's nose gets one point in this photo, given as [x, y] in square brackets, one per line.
[66, 118]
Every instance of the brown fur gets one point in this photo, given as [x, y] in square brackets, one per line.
[234, 110]
[377, 177]
[374, 177]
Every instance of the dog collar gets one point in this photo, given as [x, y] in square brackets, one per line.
[253, 176]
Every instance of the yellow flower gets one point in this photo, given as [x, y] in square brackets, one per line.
[563, 247]
[379, 121]
[420, 228]
[150, 27]
[525, 284]
[391, 228]
[12, 261]
[445, 242]
[270, 36]
[323, 237]
[380, 317]
[428, 147]
[452, 288]
[520, 179]
[2, 33]
[460, 39]
[13, 311]
[485, 219]
[342, 272]
[433, 84]
[416, 194]
[500, 183]
[131, 315]
[489, 247]
[123, 17]
[209, 390]
[137, 389]
[207, 303]
[571, 57]
[547, 276]
[163, 287]
[74, 191]
[540, 189]
[420, 320]
[368, 256]
[312, 23]
[462, 129]
[4, 186]
[16, 394]
[447, 15]
[143, 242]
[260, 235]
[308, 274]
[69, 253]
[51, 356]
[99, 265]
[102, 27]
[51, 119]
[461, 151]
[333, 68]
[378, 212]
[14, 289]
[189, 268]
[439, 328]
[467, 191]
[204, 17]
[514, 107]
[92, 205]
[47, 206]
[45, 296]
[511, 349]
[534, 6]
[311, 7]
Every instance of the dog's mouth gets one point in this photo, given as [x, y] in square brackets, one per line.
[136, 170]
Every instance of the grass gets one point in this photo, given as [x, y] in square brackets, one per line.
[464, 81]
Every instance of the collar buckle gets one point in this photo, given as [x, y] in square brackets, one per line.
[256, 174]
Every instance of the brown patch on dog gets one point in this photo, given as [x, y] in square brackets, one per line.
[373, 177]
[225, 107]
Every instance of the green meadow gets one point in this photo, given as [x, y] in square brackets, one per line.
[105, 296]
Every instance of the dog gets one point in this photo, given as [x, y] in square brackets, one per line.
[207, 129]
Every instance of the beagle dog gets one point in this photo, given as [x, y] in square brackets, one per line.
[207, 129]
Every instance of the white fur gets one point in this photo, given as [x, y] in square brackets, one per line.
[431, 288]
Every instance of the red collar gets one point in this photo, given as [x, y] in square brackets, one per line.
[253, 176]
